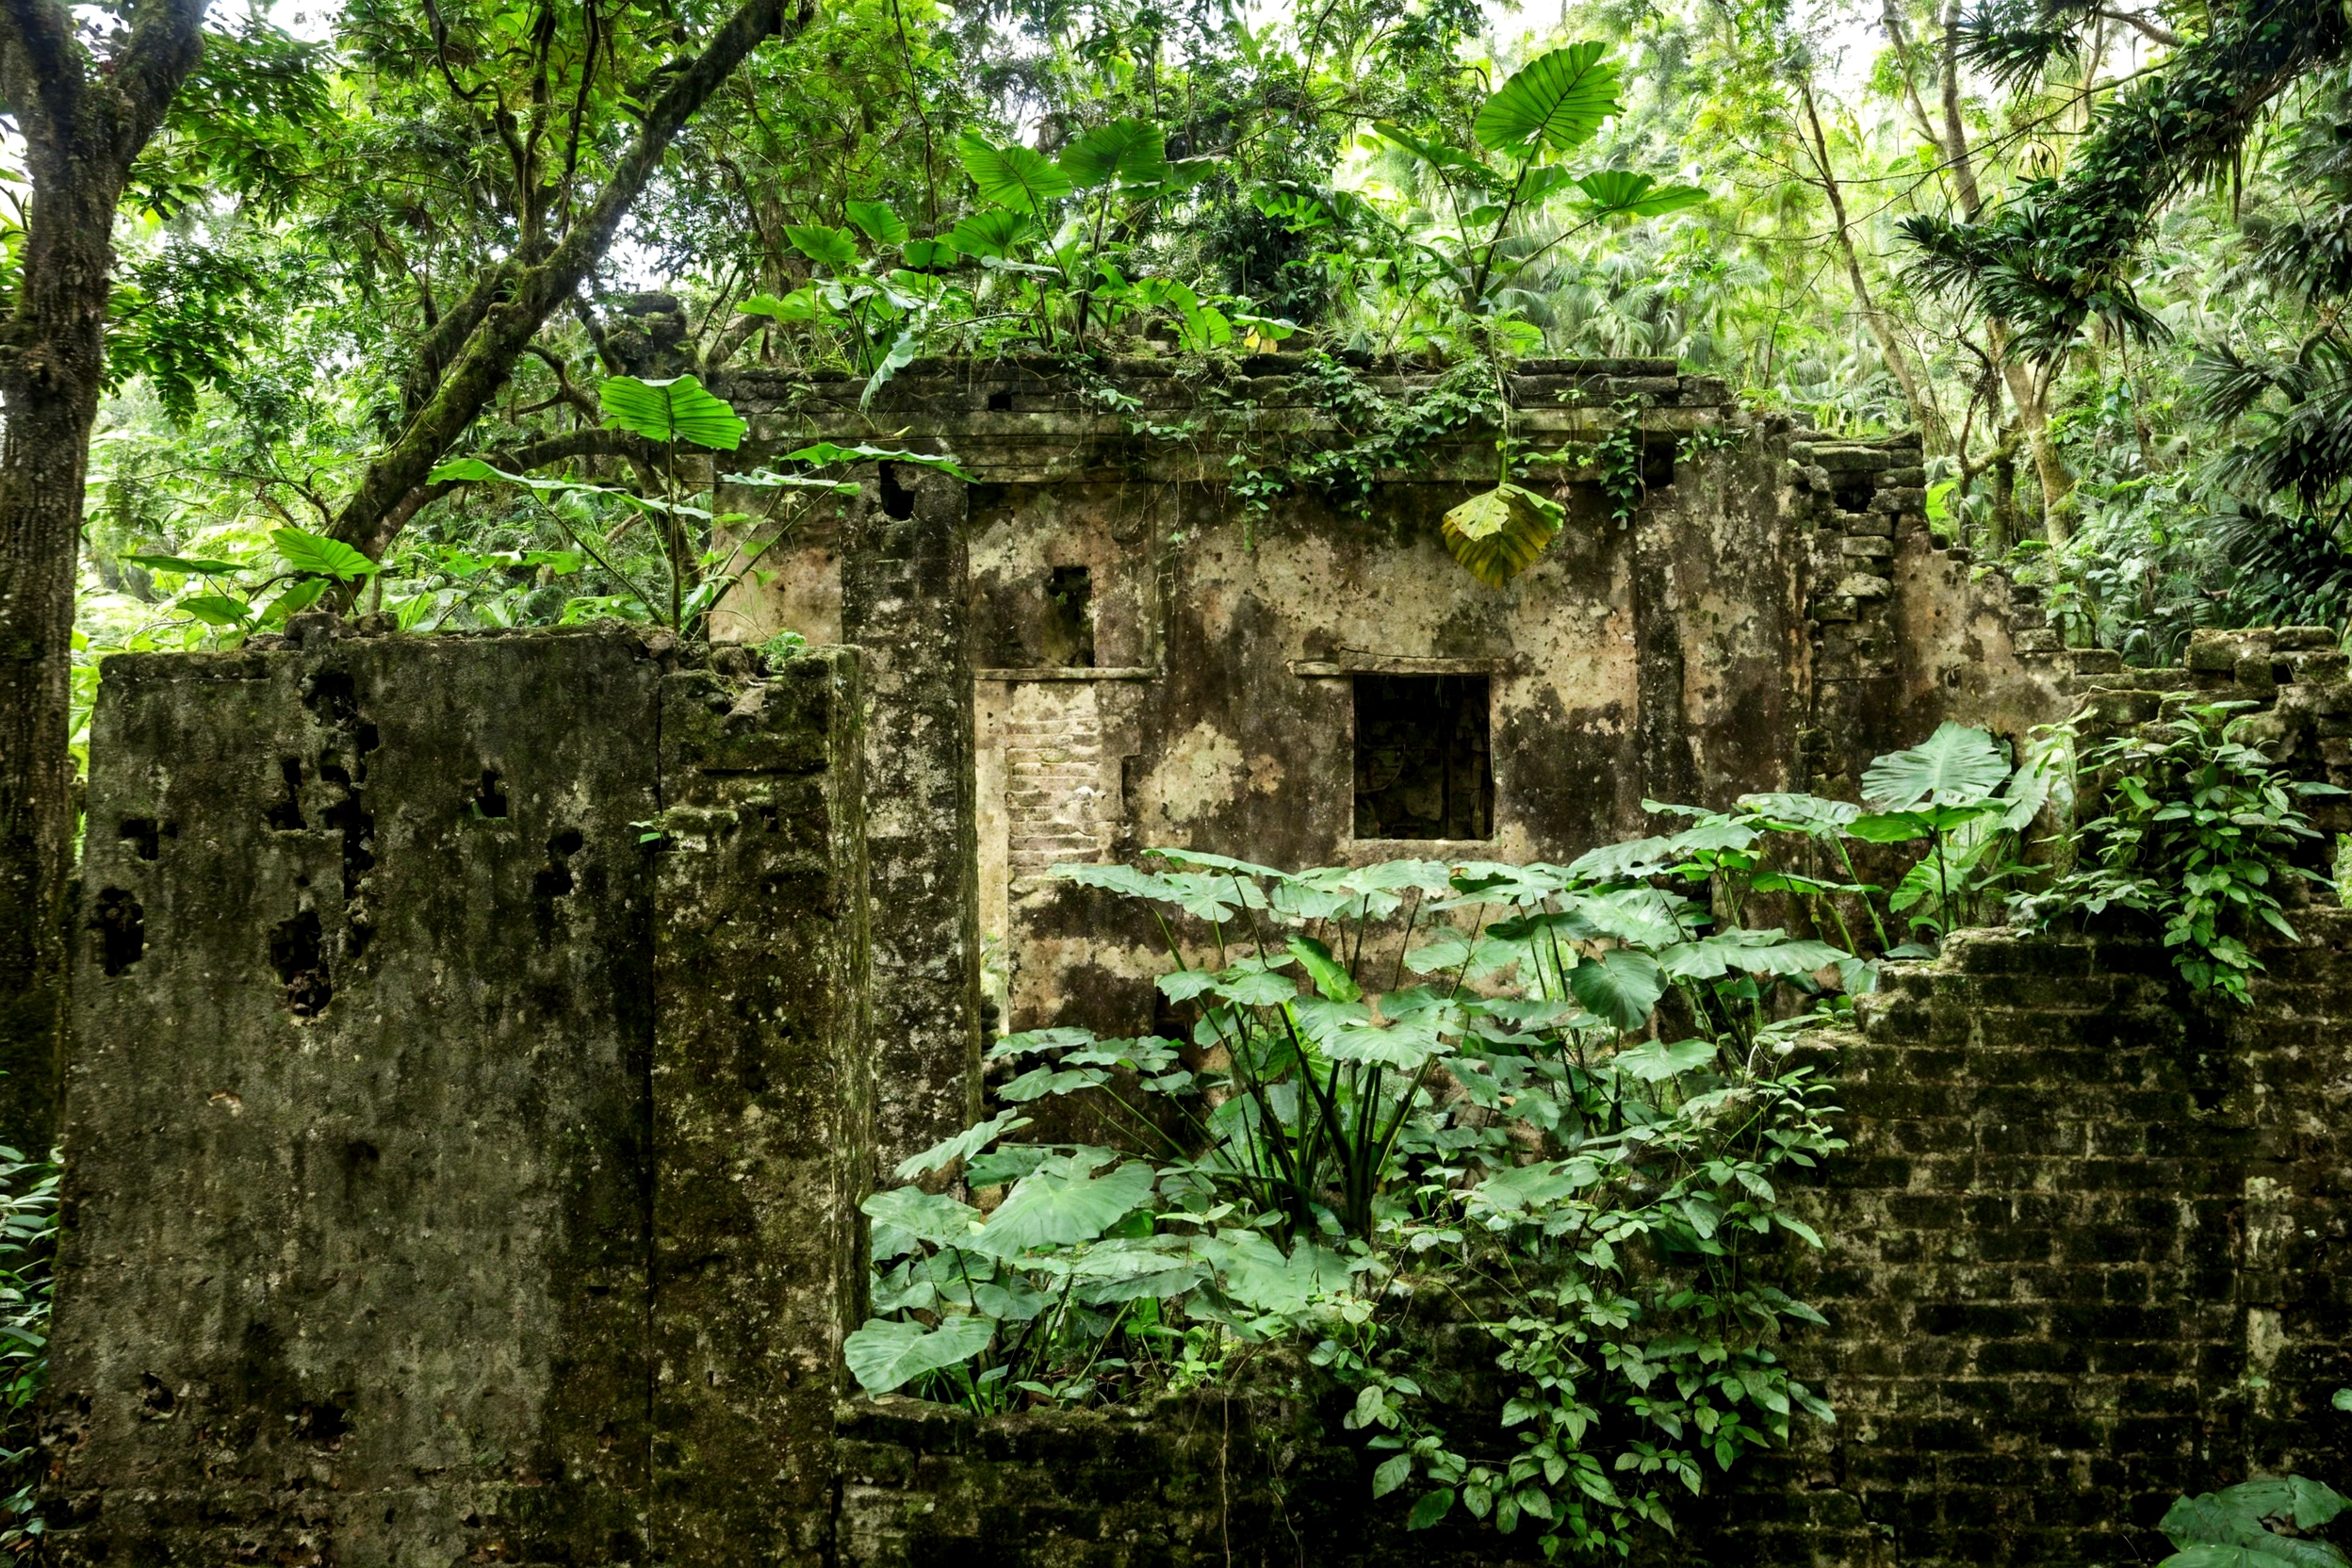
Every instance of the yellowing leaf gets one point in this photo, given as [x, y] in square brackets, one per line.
[1497, 534]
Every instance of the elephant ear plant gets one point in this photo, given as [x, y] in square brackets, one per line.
[1558, 1105]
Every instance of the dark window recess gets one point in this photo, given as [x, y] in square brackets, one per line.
[1068, 630]
[1423, 767]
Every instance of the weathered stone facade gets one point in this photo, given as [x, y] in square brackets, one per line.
[1153, 666]
[459, 1167]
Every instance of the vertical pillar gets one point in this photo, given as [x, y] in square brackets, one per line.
[761, 1106]
[905, 605]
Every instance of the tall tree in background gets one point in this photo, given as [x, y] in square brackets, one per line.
[86, 104]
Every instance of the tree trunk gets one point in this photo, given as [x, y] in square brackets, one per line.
[83, 122]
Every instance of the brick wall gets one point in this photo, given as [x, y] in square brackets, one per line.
[2090, 1249]
[1056, 806]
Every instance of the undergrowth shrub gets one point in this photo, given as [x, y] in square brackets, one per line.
[28, 1238]
[2200, 831]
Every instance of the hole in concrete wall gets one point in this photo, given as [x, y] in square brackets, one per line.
[1423, 766]
[323, 1425]
[286, 815]
[554, 879]
[331, 696]
[490, 800]
[897, 501]
[156, 1397]
[142, 835]
[297, 953]
[122, 928]
[1000, 402]
[1069, 628]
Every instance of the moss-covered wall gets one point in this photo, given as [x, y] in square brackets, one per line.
[469, 1105]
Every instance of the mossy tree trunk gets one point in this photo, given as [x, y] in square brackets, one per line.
[84, 120]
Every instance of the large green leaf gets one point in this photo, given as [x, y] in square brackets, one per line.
[316, 553]
[675, 410]
[884, 1356]
[1061, 1204]
[1329, 975]
[1497, 534]
[1620, 986]
[1618, 193]
[1011, 176]
[1956, 766]
[200, 567]
[925, 1215]
[824, 452]
[1557, 101]
[823, 244]
[991, 233]
[1459, 166]
[1133, 152]
[879, 223]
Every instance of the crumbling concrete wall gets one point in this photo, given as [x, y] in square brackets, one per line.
[904, 605]
[1156, 665]
[458, 1168]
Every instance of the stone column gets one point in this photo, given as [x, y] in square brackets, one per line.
[905, 605]
[762, 1107]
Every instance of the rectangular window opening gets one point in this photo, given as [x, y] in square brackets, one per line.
[1424, 769]
[1070, 617]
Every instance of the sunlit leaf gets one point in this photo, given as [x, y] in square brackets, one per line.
[1556, 101]
[1012, 176]
[878, 223]
[306, 552]
[679, 409]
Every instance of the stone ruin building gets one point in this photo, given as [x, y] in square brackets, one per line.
[1321, 684]
[483, 1044]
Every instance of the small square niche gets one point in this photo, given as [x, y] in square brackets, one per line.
[1424, 769]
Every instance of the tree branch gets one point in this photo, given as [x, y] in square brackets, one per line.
[487, 357]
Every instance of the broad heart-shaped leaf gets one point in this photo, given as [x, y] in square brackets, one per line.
[925, 1215]
[963, 1146]
[215, 609]
[823, 244]
[1618, 192]
[878, 223]
[801, 305]
[677, 410]
[1955, 766]
[827, 451]
[1497, 534]
[1459, 165]
[1654, 1060]
[315, 553]
[992, 233]
[1061, 1204]
[929, 255]
[1621, 987]
[884, 1356]
[1012, 176]
[1133, 152]
[1556, 101]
